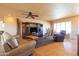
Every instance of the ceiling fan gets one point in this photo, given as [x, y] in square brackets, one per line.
[30, 14]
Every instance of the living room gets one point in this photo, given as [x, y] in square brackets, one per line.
[41, 29]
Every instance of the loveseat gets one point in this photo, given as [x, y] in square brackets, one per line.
[13, 46]
[25, 48]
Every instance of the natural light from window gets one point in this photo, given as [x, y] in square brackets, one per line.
[66, 26]
[1, 25]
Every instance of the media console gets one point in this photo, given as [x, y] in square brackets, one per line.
[29, 28]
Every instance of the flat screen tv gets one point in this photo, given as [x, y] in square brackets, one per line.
[33, 29]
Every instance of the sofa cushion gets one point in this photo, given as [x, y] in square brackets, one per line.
[7, 47]
[10, 41]
[13, 43]
[6, 36]
[23, 41]
[25, 48]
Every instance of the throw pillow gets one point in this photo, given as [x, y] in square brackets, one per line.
[6, 37]
[7, 47]
[13, 43]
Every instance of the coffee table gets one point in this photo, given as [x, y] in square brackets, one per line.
[32, 37]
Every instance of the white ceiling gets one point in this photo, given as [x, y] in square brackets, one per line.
[45, 11]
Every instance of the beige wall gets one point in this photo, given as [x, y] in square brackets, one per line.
[10, 25]
[74, 25]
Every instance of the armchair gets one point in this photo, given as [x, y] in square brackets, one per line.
[59, 37]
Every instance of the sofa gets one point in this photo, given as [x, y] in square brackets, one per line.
[23, 48]
[44, 40]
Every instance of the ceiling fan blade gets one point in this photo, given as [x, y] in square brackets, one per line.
[32, 17]
[35, 15]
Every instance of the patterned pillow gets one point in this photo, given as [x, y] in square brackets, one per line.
[6, 36]
[9, 41]
[13, 43]
[7, 47]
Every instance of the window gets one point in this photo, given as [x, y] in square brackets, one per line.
[68, 27]
[63, 26]
[1, 25]
[58, 27]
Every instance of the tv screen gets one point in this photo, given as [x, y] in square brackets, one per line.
[33, 29]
